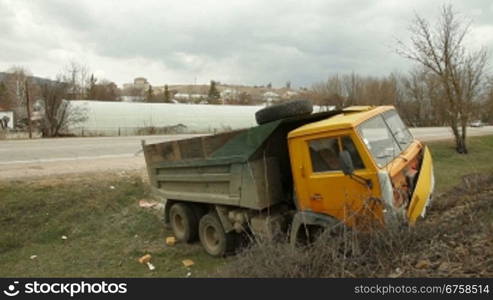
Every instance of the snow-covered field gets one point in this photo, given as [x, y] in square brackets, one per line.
[109, 118]
[126, 118]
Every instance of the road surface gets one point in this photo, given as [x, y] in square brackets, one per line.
[40, 157]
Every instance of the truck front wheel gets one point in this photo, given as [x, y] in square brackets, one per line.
[184, 222]
[215, 241]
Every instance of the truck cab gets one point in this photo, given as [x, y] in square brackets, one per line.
[363, 161]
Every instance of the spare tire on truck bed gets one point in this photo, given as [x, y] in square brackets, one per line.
[283, 110]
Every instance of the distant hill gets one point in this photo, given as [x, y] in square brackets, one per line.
[204, 89]
[38, 80]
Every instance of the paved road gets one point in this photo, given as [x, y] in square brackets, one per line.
[66, 149]
[442, 133]
[26, 158]
[40, 157]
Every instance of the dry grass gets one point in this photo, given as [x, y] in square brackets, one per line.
[456, 239]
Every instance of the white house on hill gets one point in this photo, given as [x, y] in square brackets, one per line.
[6, 118]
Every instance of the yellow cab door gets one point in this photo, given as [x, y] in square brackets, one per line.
[321, 185]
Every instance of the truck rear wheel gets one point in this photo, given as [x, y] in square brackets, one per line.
[215, 241]
[307, 235]
[184, 222]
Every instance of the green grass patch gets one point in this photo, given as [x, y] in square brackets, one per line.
[450, 166]
[106, 231]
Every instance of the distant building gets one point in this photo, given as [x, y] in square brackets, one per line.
[132, 98]
[6, 118]
[38, 111]
[179, 128]
[289, 94]
[140, 83]
[270, 97]
[188, 97]
[229, 93]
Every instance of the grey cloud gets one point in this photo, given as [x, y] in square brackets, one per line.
[246, 41]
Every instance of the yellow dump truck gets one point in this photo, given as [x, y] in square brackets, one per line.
[295, 170]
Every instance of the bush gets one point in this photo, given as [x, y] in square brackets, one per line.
[438, 246]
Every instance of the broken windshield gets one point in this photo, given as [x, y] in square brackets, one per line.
[398, 129]
[385, 136]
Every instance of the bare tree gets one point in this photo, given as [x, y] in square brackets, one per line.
[213, 97]
[441, 50]
[4, 96]
[328, 93]
[244, 98]
[76, 76]
[416, 107]
[58, 113]
[103, 89]
[486, 113]
[166, 94]
[109, 90]
[150, 94]
[16, 82]
[341, 91]
[422, 100]
[133, 92]
[353, 89]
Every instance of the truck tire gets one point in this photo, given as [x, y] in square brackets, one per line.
[215, 241]
[307, 235]
[283, 110]
[307, 227]
[184, 222]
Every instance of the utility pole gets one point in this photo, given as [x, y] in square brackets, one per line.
[28, 104]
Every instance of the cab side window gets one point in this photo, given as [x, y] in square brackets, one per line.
[347, 144]
[324, 154]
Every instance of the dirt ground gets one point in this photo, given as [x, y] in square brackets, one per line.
[463, 244]
[72, 167]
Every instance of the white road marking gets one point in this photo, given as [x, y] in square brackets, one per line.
[46, 160]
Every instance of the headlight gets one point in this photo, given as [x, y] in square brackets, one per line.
[392, 216]
[386, 188]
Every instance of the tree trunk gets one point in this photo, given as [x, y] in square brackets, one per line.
[461, 145]
[463, 138]
[460, 137]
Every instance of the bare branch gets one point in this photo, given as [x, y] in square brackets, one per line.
[441, 49]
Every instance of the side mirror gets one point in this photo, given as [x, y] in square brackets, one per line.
[346, 162]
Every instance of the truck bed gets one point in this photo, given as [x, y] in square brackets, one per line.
[247, 168]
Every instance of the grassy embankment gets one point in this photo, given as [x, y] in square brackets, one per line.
[107, 231]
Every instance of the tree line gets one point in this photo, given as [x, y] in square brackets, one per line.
[417, 95]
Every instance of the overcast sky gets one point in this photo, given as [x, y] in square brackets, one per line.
[235, 41]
